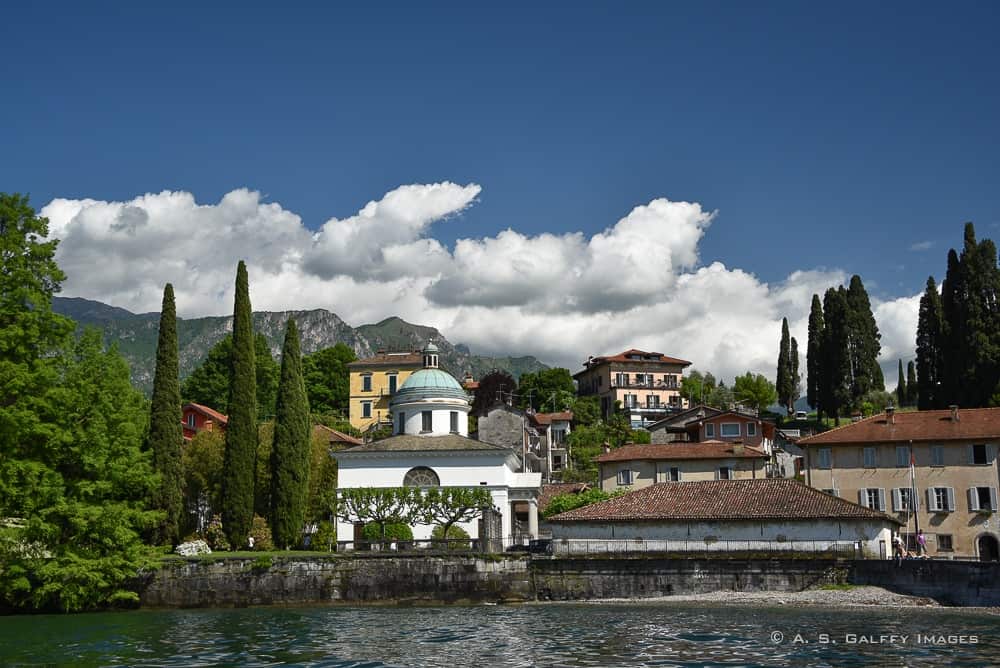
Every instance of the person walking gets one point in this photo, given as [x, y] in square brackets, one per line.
[921, 544]
[898, 550]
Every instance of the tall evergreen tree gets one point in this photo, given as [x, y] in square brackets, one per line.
[793, 362]
[814, 354]
[290, 451]
[165, 432]
[912, 391]
[901, 390]
[835, 388]
[241, 431]
[783, 377]
[952, 320]
[929, 343]
[863, 347]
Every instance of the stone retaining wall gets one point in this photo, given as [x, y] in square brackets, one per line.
[965, 583]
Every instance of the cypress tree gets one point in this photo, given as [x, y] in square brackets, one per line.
[912, 391]
[863, 345]
[290, 451]
[241, 432]
[165, 431]
[901, 389]
[835, 365]
[929, 343]
[952, 320]
[814, 354]
[796, 378]
[783, 377]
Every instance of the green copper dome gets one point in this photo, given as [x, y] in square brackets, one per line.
[429, 384]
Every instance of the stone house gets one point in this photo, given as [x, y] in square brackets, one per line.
[634, 466]
[539, 438]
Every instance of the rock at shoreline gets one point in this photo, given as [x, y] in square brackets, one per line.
[193, 548]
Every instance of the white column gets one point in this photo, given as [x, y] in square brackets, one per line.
[533, 518]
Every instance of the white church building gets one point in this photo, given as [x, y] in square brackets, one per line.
[430, 447]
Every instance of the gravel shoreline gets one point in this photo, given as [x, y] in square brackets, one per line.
[862, 596]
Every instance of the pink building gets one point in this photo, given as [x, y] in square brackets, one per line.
[648, 384]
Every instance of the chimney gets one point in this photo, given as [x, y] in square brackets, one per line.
[890, 414]
[607, 447]
[954, 412]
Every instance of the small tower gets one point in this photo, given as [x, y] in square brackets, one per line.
[430, 352]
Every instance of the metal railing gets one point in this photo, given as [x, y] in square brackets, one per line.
[583, 547]
[512, 544]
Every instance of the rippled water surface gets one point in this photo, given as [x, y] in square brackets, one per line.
[647, 634]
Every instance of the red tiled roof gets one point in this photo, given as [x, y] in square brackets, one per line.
[207, 412]
[624, 357]
[550, 492]
[760, 499]
[549, 418]
[337, 436]
[973, 423]
[703, 450]
[410, 358]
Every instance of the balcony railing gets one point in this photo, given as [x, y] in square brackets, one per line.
[656, 385]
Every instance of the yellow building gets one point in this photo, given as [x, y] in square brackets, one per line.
[373, 381]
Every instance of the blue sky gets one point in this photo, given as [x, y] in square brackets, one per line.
[834, 137]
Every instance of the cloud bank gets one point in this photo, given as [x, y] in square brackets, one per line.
[639, 283]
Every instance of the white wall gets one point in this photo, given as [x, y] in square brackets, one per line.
[440, 419]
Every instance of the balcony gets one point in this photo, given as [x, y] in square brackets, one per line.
[658, 385]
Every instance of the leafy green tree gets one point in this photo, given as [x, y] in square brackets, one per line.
[327, 379]
[455, 533]
[322, 498]
[814, 354]
[784, 379]
[586, 410]
[902, 393]
[373, 531]
[929, 349]
[241, 432]
[494, 387]
[912, 389]
[381, 505]
[863, 346]
[755, 390]
[446, 506]
[549, 390]
[201, 460]
[565, 502]
[165, 431]
[290, 450]
[696, 387]
[208, 384]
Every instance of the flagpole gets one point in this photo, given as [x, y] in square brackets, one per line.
[913, 495]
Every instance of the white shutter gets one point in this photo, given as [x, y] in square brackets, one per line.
[993, 499]
[973, 499]
[897, 501]
[951, 498]
[881, 499]
[932, 506]
[863, 497]
[990, 453]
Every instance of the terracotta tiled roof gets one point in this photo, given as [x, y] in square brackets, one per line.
[703, 450]
[336, 436]
[760, 499]
[549, 418]
[411, 358]
[207, 412]
[973, 423]
[550, 492]
[414, 443]
[624, 357]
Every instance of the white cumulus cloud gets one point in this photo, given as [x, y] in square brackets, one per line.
[639, 283]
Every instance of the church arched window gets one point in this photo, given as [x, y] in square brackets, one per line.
[421, 476]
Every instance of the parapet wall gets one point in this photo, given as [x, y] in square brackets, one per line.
[966, 583]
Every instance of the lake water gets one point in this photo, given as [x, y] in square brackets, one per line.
[643, 634]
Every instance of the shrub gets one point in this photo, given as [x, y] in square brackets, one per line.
[455, 533]
[215, 536]
[261, 534]
[373, 532]
[325, 536]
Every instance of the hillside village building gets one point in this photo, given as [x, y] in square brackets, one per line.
[648, 384]
[540, 438]
[430, 447]
[635, 466]
[953, 490]
[196, 418]
[373, 381]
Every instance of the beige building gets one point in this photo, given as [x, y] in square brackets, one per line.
[636, 466]
[373, 381]
[953, 487]
[648, 385]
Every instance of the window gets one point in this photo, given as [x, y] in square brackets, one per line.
[557, 463]
[944, 543]
[366, 409]
[421, 476]
[675, 474]
[751, 428]
[824, 458]
[652, 401]
[940, 499]
[902, 456]
[670, 381]
[558, 436]
[937, 457]
[600, 381]
[872, 497]
[980, 454]
[621, 379]
[871, 458]
[730, 429]
[400, 422]
[453, 422]
[631, 401]
[191, 420]
[392, 383]
[625, 477]
[426, 421]
[366, 383]
[902, 499]
[982, 498]
[709, 430]
[725, 473]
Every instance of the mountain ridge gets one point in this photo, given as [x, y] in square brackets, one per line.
[136, 334]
